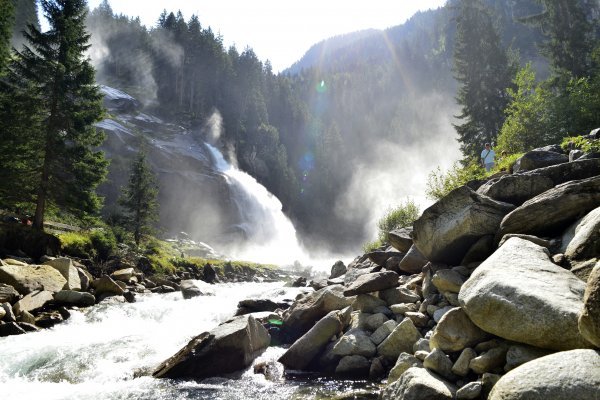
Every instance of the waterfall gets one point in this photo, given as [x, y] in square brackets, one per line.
[268, 235]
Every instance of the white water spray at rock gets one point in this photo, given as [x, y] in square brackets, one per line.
[268, 236]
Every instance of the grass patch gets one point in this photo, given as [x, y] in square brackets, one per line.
[98, 244]
[399, 217]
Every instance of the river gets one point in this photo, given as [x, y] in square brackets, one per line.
[108, 351]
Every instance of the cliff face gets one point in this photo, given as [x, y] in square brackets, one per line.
[194, 197]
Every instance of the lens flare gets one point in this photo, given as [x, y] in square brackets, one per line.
[321, 87]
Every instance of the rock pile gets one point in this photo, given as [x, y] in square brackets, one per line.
[493, 294]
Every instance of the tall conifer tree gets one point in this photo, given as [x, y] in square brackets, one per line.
[139, 197]
[53, 71]
[482, 68]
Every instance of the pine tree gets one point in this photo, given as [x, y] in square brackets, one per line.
[6, 23]
[139, 198]
[53, 73]
[482, 68]
[568, 28]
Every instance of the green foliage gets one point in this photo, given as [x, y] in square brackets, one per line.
[372, 246]
[482, 69]
[582, 143]
[398, 217]
[98, 244]
[139, 198]
[222, 266]
[440, 183]
[55, 103]
[505, 164]
[162, 255]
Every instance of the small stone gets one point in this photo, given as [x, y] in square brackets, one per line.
[26, 317]
[461, 366]
[519, 354]
[439, 362]
[489, 361]
[470, 391]
[400, 340]
[440, 312]
[447, 280]
[421, 354]
[375, 321]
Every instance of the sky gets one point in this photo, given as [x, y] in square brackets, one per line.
[279, 30]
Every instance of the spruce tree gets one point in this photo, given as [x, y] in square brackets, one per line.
[139, 198]
[568, 28]
[54, 74]
[482, 68]
[6, 24]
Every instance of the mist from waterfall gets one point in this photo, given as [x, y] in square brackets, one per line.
[266, 235]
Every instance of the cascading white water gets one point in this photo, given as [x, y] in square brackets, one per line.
[95, 353]
[270, 237]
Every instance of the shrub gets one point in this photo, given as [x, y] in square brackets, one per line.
[582, 143]
[439, 183]
[104, 243]
[403, 215]
[77, 244]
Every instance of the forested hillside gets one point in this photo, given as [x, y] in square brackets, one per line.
[322, 135]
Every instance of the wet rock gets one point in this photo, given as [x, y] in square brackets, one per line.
[27, 278]
[306, 348]
[510, 291]
[589, 318]
[402, 339]
[193, 288]
[209, 274]
[229, 347]
[456, 331]
[419, 384]
[11, 328]
[554, 209]
[446, 230]
[353, 366]
[48, 319]
[571, 374]
[401, 239]
[338, 269]
[73, 298]
[373, 282]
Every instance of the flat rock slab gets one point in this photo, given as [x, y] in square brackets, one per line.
[33, 301]
[566, 375]
[230, 347]
[369, 283]
[554, 209]
[519, 294]
[571, 171]
[446, 230]
[27, 278]
[516, 188]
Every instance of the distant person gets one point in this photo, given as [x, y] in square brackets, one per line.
[487, 157]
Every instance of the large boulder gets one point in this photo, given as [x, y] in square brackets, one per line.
[229, 347]
[446, 230]
[74, 298]
[539, 159]
[516, 188]
[419, 384]
[589, 319]
[566, 375]
[455, 332]
[373, 282]
[413, 262]
[105, 285]
[68, 271]
[28, 278]
[193, 288]
[554, 209]
[338, 269]
[519, 294]
[561, 173]
[585, 243]
[303, 314]
[305, 349]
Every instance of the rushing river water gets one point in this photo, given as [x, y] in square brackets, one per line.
[97, 352]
